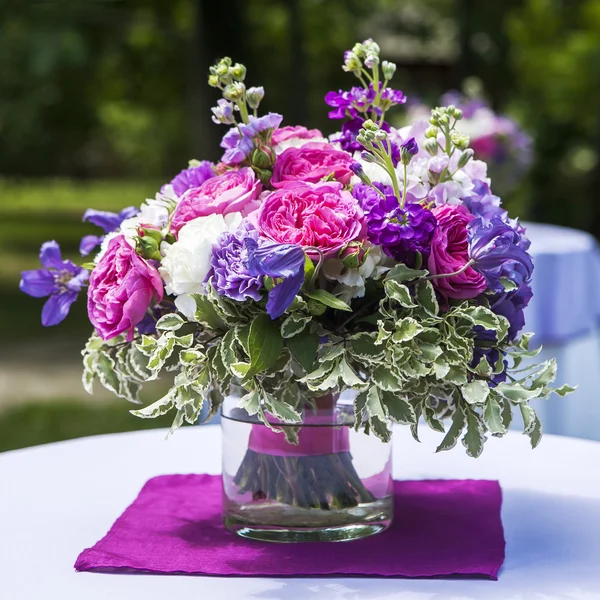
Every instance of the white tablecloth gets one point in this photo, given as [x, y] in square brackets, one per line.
[57, 499]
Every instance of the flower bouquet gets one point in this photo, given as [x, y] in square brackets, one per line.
[317, 290]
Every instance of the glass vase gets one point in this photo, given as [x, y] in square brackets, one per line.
[335, 484]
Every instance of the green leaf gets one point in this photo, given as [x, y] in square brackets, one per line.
[474, 438]
[563, 390]
[170, 322]
[515, 392]
[385, 379]
[427, 298]
[239, 369]
[193, 356]
[105, 368]
[506, 412]
[476, 391]
[158, 408]
[303, 347]
[378, 419]
[281, 410]
[362, 346]
[508, 284]
[432, 420]
[402, 273]
[250, 402]
[148, 345]
[406, 329]
[458, 424]
[532, 424]
[398, 408]
[227, 349]
[349, 377]
[294, 324]
[264, 344]
[324, 297]
[441, 368]
[206, 313]
[400, 293]
[546, 375]
[484, 317]
[493, 418]
[360, 403]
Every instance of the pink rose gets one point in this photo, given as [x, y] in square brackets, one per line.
[233, 191]
[286, 134]
[450, 253]
[312, 162]
[122, 288]
[322, 216]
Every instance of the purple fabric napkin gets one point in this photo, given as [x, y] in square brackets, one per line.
[440, 527]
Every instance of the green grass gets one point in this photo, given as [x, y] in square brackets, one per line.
[31, 424]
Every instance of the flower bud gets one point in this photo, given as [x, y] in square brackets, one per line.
[431, 146]
[368, 157]
[458, 114]
[460, 140]
[223, 112]
[352, 63]
[147, 245]
[388, 68]
[444, 120]
[353, 255]
[263, 157]
[234, 91]
[380, 135]
[213, 81]
[238, 72]
[254, 96]
[263, 174]
[408, 149]
[370, 125]
[371, 47]
[358, 170]
[359, 50]
[371, 60]
[431, 132]
[465, 157]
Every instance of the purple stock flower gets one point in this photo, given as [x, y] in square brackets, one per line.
[192, 177]
[410, 146]
[229, 272]
[400, 231]
[277, 260]
[109, 221]
[239, 145]
[348, 135]
[482, 203]
[60, 279]
[350, 103]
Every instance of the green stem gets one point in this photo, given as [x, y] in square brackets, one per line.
[243, 110]
[445, 275]
[403, 201]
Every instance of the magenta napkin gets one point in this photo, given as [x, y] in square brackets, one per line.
[440, 527]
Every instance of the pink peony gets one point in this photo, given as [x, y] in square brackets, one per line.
[450, 253]
[122, 288]
[322, 216]
[312, 162]
[233, 191]
[286, 134]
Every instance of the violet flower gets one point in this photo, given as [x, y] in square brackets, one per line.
[239, 142]
[229, 274]
[192, 177]
[277, 260]
[60, 279]
[109, 221]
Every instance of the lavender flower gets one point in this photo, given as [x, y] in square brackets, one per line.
[277, 260]
[223, 112]
[192, 177]
[60, 279]
[400, 231]
[350, 103]
[229, 272]
[109, 221]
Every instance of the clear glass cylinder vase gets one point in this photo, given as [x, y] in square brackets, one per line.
[334, 484]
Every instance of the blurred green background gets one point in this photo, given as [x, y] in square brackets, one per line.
[103, 100]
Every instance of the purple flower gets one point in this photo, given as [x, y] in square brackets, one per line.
[410, 147]
[392, 97]
[60, 279]
[511, 305]
[239, 145]
[223, 112]
[109, 221]
[482, 203]
[348, 135]
[277, 260]
[192, 177]
[350, 103]
[400, 231]
[229, 272]
[497, 250]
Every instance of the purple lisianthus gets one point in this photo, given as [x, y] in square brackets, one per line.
[497, 249]
[277, 260]
[511, 305]
[109, 221]
[229, 274]
[400, 231]
[192, 177]
[60, 279]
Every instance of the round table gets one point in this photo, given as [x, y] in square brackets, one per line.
[57, 499]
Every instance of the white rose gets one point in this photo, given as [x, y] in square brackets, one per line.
[186, 263]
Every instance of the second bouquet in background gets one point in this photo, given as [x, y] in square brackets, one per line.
[316, 291]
